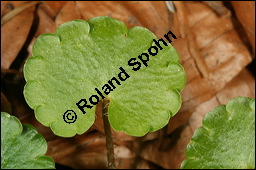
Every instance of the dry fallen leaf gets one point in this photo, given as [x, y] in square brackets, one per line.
[14, 33]
[245, 12]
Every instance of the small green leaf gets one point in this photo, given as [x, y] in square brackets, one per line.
[67, 66]
[21, 146]
[227, 138]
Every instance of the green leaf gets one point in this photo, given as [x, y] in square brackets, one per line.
[67, 66]
[227, 138]
[21, 146]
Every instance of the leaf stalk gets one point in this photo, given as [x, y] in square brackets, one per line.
[108, 134]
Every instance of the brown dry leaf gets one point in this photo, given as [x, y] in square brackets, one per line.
[218, 7]
[133, 13]
[244, 82]
[67, 13]
[45, 25]
[52, 8]
[245, 12]
[223, 52]
[14, 33]
[221, 48]
[8, 6]
[89, 151]
[55, 5]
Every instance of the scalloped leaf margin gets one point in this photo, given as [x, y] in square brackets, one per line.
[22, 147]
[227, 138]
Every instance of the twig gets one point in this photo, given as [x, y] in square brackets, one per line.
[16, 11]
[108, 134]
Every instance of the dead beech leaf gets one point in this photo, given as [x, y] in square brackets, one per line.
[245, 12]
[151, 14]
[171, 156]
[68, 12]
[89, 151]
[56, 6]
[14, 34]
[218, 7]
[245, 82]
[8, 6]
[45, 25]
[52, 8]
[16, 11]
[219, 46]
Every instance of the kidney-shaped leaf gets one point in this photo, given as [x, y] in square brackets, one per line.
[227, 138]
[22, 147]
[100, 59]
